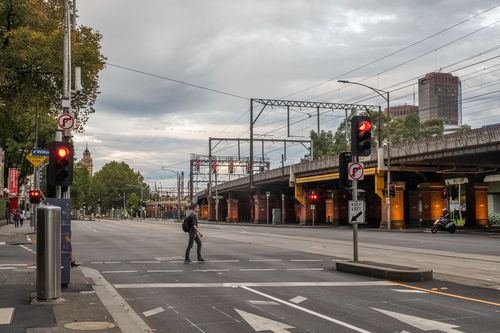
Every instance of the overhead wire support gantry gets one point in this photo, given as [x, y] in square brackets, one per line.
[300, 104]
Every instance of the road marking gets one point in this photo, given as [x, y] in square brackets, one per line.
[305, 269]
[2, 243]
[251, 284]
[125, 317]
[8, 267]
[306, 260]
[295, 306]
[298, 299]
[256, 269]
[27, 248]
[210, 270]
[145, 262]
[265, 260]
[169, 258]
[6, 315]
[410, 291]
[449, 295]
[164, 271]
[228, 260]
[259, 323]
[263, 302]
[19, 265]
[105, 262]
[154, 311]
[116, 272]
[421, 323]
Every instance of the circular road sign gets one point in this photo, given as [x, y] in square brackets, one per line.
[355, 171]
[65, 121]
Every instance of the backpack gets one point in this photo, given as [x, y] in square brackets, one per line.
[187, 224]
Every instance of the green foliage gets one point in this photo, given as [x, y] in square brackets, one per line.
[31, 74]
[80, 190]
[410, 128]
[110, 183]
[3, 207]
[494, 219]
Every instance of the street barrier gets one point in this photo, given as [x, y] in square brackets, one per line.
[48, 253]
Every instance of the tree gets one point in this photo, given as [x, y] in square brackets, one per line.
[31, 74]
[110, 183]
[80, 189]
[410, 128]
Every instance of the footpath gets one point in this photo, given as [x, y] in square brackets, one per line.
[78, 309]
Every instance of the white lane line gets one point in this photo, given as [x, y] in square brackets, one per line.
[145, 262]
[333, 320]
[105, 262]
[27, 248]
[410, 291]
[263, 302]
[210, 270]
[306, 260]
[125, 317]
[228, 260]
[154, 311]
[7, 267]
[117, 272]
[251, 284]
[19, 265]
[264, 260]
[256, 269]
[298, 299]
[6, 315]
[305, 269]
[164, 271]
[2, 243]
[169, 258]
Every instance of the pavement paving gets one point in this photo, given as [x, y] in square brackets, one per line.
[78, 309]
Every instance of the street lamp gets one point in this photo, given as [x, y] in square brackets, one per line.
[178, 191]
[385, 95]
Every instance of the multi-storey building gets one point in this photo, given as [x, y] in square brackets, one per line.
[400, 111]
[439, 97]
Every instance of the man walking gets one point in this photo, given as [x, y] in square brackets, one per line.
[194, 234]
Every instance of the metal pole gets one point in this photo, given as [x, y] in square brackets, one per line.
[388, 172]
[267, 209]
[209, 166]
[251, 143]
[216, 199]
[283, 209]
[178, 197]
[355, 224]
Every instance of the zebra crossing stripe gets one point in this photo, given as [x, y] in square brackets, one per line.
[6, 315]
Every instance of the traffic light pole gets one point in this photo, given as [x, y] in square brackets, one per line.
[355, 223]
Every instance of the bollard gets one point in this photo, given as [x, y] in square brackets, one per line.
[48, 253]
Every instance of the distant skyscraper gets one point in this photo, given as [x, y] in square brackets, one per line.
[86, 161]
[440, 97]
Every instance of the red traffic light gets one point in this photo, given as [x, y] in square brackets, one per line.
[62, 152]
[364, 126]
[313, 197]
[35, 196]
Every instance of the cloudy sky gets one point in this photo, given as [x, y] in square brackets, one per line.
[271, 49]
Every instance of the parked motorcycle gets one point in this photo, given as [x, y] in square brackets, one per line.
[443, 225]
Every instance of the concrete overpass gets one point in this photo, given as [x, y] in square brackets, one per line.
[420, 171]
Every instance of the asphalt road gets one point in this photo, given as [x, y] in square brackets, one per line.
[283, 279]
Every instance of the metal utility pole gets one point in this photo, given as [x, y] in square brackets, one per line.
[268, 194]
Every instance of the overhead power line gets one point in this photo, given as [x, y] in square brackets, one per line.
[177, 81]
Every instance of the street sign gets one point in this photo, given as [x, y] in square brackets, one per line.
[355, 171]
[313, 207]
[356, 212]
[268, 194]
[65, 121]
[40, 152]
[37, 160]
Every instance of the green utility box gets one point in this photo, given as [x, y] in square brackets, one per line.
[276, 216]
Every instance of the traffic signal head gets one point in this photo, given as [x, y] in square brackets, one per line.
[60, 168]
[313, 197]
[444, 194]
[361, 135]
[392, 190]
[35, 196]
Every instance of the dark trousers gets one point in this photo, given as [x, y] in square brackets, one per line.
[193, 237]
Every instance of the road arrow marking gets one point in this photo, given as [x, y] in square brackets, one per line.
[422, 323]
[260, 324]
